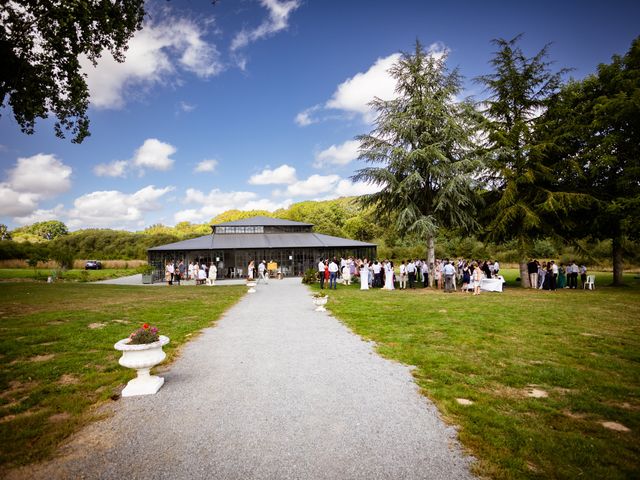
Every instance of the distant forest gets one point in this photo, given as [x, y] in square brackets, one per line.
[343, 217]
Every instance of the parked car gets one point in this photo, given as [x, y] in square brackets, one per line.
[92, 265]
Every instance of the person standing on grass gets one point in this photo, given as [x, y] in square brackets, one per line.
[477, 278]
[213, 274]
[449, 271]
[562, 276]
[583, 274]
[321, 273]
[573, 274]
[532, 268]
[554, 276]
[168, 273]
[333, 274]
[403, 276]
[411, 272]
[418, 263]
[182, 270]
[377, 274]
[496, 267]
[466, 277]
[190, 271]
[364, 276]
[425, 274]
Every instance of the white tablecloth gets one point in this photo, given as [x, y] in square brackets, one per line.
[491, 284]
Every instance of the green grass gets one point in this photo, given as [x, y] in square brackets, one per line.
[55, 367]
[581, 347]
[76, 275]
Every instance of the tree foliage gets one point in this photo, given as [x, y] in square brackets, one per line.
[41, 46]
[523, 198]
[594, 127]
[47, 230]
[422, 150]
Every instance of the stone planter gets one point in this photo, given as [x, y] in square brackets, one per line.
[320, 302]
[252, 286]
[142, 358]
[147, 278]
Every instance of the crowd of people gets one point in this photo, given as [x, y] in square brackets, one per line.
[201, 273]
[411, 273]
[551, 276]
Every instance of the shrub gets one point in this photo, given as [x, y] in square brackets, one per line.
[310, 276]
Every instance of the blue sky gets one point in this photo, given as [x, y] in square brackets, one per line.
[255, 103]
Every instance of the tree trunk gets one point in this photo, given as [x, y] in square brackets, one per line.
[617, 251]
[431, 258]
[524, 274]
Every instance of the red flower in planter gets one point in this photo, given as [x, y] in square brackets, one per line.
[145, 326]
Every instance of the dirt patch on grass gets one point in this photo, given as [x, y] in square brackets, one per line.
[12, 417]
[16, 387]
[505, 392]
[618, 427]
[42, 358]
[96, 325]
[575, 416]
[68, 379]
[536, 393]
[59, 417]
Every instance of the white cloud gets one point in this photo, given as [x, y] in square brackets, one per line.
[347, 188]
[31, 180]
[13, 203]
[187, 107]
[154, 154]
[354, 94]
[42, 175]
[338, 154]
[217, 201]
[312, 186]
[151, 58]
[279, 12]
[284, 174]
[116, 168]
[306, 118]
[41, 215]
[115, 209]
[206, 166]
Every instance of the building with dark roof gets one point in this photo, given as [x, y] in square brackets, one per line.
[293, 246]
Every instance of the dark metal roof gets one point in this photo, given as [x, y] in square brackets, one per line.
[263, 221]
[263, 240]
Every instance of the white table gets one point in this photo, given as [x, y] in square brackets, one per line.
[491, 284]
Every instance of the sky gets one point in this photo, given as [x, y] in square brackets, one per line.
[254, 104]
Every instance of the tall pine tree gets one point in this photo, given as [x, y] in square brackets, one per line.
[421, 151]
[522, 201]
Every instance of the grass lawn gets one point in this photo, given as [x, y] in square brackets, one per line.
[41, 274]
[579, 348]
[57, 355]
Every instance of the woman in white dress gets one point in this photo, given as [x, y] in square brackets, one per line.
[388, 276]
[213, 273]
[364, 276]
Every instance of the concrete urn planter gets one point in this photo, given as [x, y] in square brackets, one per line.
[320, 302]
[142, 358]
[252, 286]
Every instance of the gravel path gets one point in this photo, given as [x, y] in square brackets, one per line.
[274, 391]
